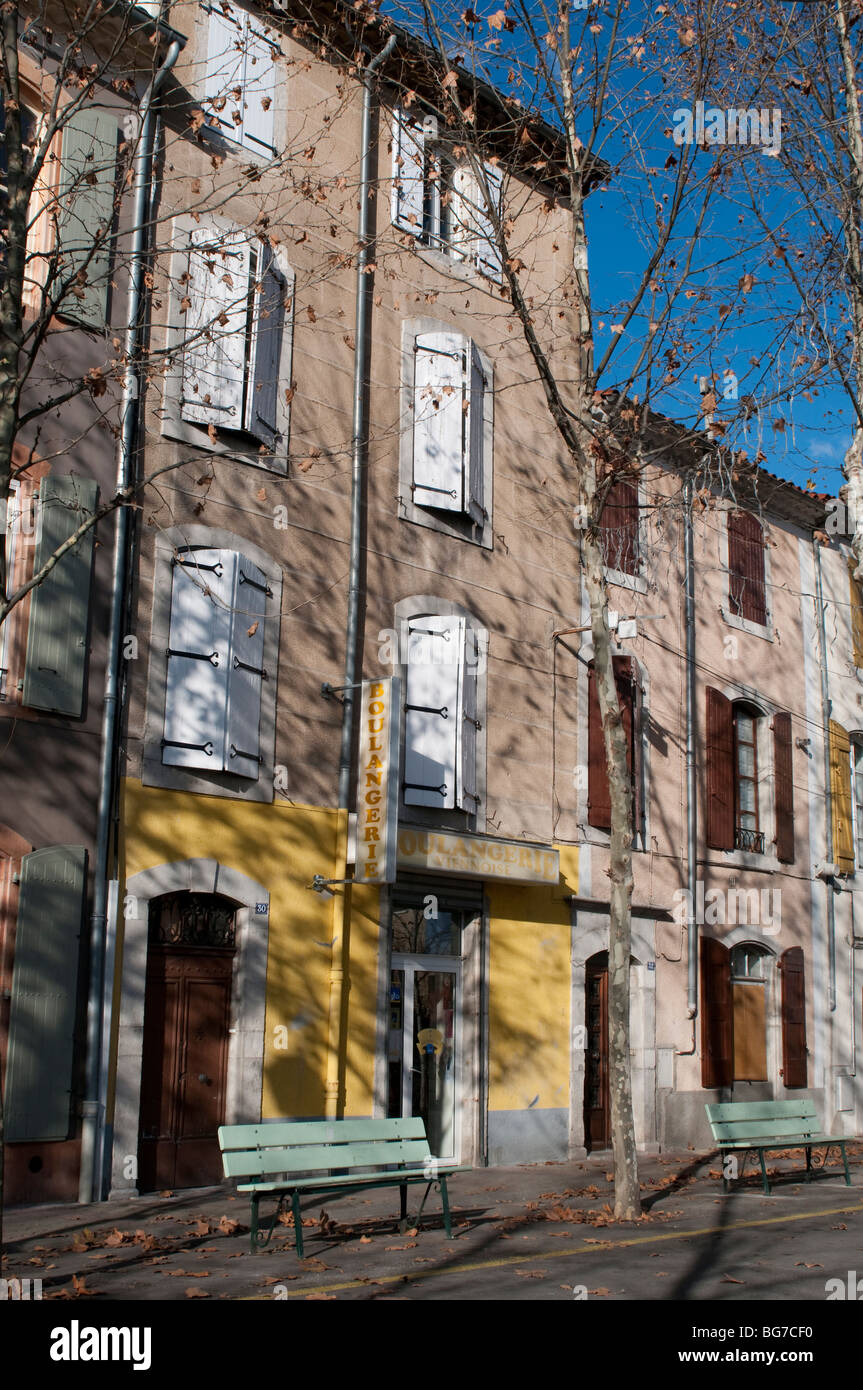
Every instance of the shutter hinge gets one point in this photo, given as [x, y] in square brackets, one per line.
[424, 787]
[206, 748]
[471, 720]
[238, 753]
[429, 709]
[255, 670]
[425, 487]
[212, 657]
[191, 565]
[264, 588]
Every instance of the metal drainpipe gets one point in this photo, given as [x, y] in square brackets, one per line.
[342, 902]
[93, 1108]
[691, 803]
[828, 794]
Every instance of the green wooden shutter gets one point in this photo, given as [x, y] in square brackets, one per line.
[44, 992]
[57, 635]
[88, 160]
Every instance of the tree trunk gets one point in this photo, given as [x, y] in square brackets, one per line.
[627, 1195]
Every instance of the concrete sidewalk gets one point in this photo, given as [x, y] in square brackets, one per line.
[540, 1232]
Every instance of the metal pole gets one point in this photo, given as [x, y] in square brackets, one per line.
[93, 1107]
[342, 914]
[691, 799]
[828, 791]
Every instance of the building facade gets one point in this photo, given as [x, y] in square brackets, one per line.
[245, 978]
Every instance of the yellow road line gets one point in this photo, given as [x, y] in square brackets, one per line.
[412, 1277]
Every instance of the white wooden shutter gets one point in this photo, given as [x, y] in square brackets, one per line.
[199, 647]
[468, 723]
[463, 198]
[476, 438]
[225, 69]
[486, 249]
[214, 358]
[246, 670]
[408, 173]
[259, 87]
[268, 319]
[432, 711]
[440, 424]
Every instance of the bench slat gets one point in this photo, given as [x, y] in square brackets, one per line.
[762, 1129]
[309, 1158]
[761, 1110]
[323, 1183]
[288, 1132]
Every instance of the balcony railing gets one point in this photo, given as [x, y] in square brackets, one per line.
[750, 840]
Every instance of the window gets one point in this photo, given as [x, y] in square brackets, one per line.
[747, 836]
[598, 794]
[230, 344]
[619, 528]
[449, 385]
[441, 714]
[738, 756]
[43, 659]
[215, 663]
[71, 213]
[856, 613]
[747, 589]
[445, 459]
[441, 202]
[749, 995]
[735, 1006]
[212, 665]
[841, 801]
[241, 77]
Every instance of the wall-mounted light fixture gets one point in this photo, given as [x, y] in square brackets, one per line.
[319, 884]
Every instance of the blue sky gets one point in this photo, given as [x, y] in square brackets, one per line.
[752, 331]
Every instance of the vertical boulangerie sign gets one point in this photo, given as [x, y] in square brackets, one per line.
[377, 789]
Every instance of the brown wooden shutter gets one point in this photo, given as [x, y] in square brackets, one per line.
[840, 798]
[793, 1018]
[783, 787]
[856, 614]
[618, 527]
[717, 1033]
[746, 582]
[598, 794]
[720, 771]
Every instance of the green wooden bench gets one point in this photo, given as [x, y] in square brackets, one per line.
[327, 1157]
[759, 1126]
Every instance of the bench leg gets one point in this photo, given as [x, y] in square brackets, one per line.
[253, 1223]
[298, 1223]
[423, 1202]
[764, 1172]
[403, 1207]
[845, 1165]
[445, 1204]
[808, 1163]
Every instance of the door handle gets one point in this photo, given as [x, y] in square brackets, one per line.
[202, 1076]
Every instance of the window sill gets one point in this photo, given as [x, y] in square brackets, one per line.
[745, 859]
[468, 531]
[634, 582]
[198, 438]
[450, 264]
[762, 630]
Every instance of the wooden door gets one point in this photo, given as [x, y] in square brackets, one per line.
[186, 1019]
[597, 1110]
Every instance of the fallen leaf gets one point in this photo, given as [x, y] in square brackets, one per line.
[727, 1279]
[202, 1228]
[410, 1245]
[197, 1293]
[319, 1297]
[365, 1240]
[600, 1293]
[227, 1224]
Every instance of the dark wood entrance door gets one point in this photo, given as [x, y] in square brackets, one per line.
[597, 1110]
[186, 1020]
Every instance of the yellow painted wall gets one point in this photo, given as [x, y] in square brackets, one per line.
[529, 992]
[281, 846]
